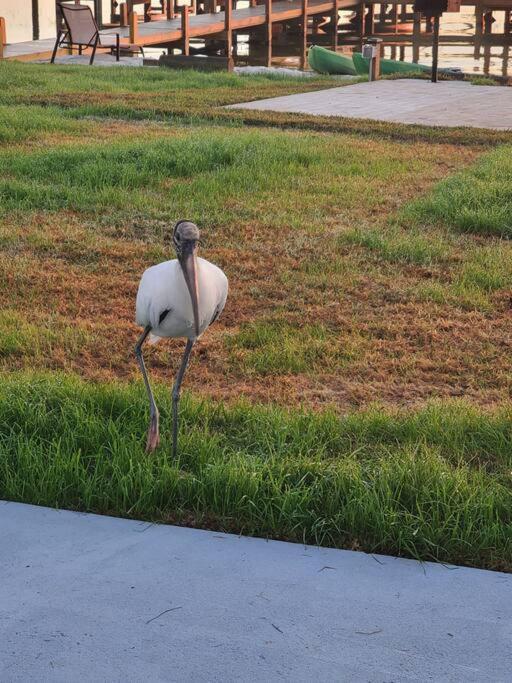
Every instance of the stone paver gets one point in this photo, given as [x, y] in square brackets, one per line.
[447, 103]
[101, 59]
[95, 599]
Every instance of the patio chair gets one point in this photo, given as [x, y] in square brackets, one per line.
[82, 30]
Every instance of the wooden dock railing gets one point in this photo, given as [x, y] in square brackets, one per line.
[3, 36]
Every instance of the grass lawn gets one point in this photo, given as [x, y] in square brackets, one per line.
[356, 391]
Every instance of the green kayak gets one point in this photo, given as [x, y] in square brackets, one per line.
[329, 62]
[387, 66]
[392, 66]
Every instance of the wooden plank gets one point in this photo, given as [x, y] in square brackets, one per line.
[3, 36]
[134, 27]
[370, 21]
[382, 13]
[361, 14]
[145, 9]
[488, 21]
[228, 28]
[304, 35]
[416, 32]
[268, 32]
[123, 14]
[335, 19]
[394, 18]
[185, 29]
[479, 24]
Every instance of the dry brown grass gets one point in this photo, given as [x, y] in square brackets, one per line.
[377, 338]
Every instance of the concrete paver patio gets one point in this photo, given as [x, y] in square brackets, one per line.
[90, 598]
[447, 103]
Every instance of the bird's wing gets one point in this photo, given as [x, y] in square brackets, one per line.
[163, 315]
[154, 296]
[223, 295]
[153, 338]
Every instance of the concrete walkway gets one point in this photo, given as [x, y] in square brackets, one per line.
[88, 598]
[448, 103]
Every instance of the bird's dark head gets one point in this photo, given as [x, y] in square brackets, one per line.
[186, 237]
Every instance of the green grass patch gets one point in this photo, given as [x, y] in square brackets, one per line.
[17, 79]
[217, 175]
[172, 95]
[397, 246]
[483, 271]
[19, 123]
[277, 347]
[434, 484]
[34, 338]
[476, 200]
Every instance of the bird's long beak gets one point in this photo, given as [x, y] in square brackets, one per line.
[189, 268]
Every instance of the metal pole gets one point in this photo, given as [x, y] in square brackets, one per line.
[435, 48]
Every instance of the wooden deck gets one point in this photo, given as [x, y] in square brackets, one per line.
[168, 33]
[30, 50]
[177, 32]
[200, 25]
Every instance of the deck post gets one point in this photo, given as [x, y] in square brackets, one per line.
[169, 10]
[382, 14]
[185, 29]
[228, 22]
[416, 31]
[3, 37]
[507, 22]
[394, 17]
[134, 28]
[479, 22]
[123, 14]
[304, 35]
[369, 27]
[268, 31]
[487, 58]
[488, 19]
[335, 19]
[362, 10]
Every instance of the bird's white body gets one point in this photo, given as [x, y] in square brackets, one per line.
[163, 288]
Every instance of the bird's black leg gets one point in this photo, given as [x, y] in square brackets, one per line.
[176, 395]
[153, 434]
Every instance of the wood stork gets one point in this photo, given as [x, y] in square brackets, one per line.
[178, 298]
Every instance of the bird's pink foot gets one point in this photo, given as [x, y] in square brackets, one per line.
[153, 435]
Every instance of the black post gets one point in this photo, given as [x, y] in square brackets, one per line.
[435, 48]
[98, 12]
[35, 19]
